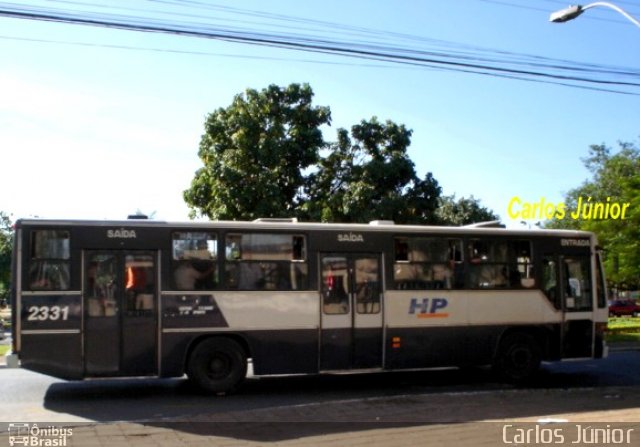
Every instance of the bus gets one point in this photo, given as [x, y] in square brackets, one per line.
[143, 298]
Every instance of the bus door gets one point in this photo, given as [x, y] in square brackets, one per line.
[120, 313]
[351, 311]
[569, 284]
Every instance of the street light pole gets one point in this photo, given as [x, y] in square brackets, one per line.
[574, 11]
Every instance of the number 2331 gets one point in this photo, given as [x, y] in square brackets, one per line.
[43, 313]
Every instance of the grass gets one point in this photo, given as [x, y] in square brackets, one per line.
[623, 330]
[622, 324]
[4, 349]
[623, 337]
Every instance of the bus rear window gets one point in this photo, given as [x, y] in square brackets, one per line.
[49, 261]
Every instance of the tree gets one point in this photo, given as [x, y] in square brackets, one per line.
[265, 156]
[6, 247]
[254, 154]
[463, 211]
[615, 179]
[368, 175]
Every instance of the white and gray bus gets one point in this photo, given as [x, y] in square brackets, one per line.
[139, 298]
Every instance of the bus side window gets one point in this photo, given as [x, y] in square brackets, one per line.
[335, 277]
[194, 261]
[101, 286]
[521, 264]
[488, 266]
[49, 262]
[500, 264]
[266, 261]
[425, 263]
[600, 286]
[577, 280]
[550, 281]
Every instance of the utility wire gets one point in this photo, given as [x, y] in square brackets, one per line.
[463, 59]
[195, 53]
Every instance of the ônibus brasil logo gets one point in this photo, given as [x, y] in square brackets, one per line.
[33, 435]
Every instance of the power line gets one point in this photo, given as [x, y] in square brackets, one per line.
[193, 53]
[464, 59]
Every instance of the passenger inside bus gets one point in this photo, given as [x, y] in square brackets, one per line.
[335, 297]
[138, 284]
[188, 277]
[101, 287]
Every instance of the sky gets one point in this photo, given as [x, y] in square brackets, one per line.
[98, 123]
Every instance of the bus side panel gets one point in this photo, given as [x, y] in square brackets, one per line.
[280, 328]
[425, 347]
[293, 351]
[51, 336]
[55, 355]
[578, 335]
[437, 328]
[428, 347]
[174, 353]
[483, 341]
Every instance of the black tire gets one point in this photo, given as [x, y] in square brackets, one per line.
[518, 358]
[217, 365]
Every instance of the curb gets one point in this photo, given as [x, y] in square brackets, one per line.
[617, 347]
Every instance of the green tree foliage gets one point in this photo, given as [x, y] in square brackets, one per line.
[615, 179]
[264, 156]
[254, 154]
[368, 175]
[6, 246]
[463, 211]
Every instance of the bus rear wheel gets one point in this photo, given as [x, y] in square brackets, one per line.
[518, 358]
[217, 365]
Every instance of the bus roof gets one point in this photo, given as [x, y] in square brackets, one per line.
[292, 224]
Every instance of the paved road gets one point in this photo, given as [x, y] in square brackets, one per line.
[29, 397]
[425, 408]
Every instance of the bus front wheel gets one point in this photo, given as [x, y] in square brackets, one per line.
[217, 365]
[518, 358]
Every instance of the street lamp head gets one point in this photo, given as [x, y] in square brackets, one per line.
[574, 11]
[566, 14]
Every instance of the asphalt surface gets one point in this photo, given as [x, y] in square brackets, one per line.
[447, 407]
[32, 397]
